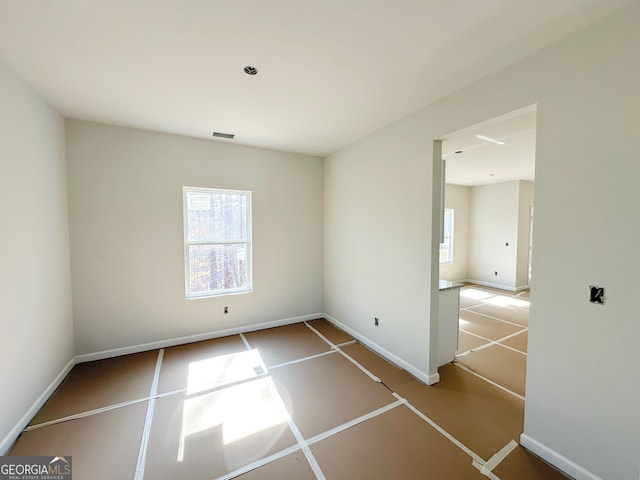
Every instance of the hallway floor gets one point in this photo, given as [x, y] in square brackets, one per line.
[302, 401]
[494, 326]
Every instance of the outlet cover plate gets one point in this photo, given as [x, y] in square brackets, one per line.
[596, 294]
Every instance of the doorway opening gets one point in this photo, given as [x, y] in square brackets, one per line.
[488, 186]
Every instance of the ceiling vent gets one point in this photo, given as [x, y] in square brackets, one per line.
[228, 136]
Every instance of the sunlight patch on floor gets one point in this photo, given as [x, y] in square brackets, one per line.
[505, 301]
[223, 369]
[475, 294]
[240, 410]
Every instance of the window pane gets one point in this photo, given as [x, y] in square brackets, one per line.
[216, 217]
[218, 267]
[448, 222]
[446, 248]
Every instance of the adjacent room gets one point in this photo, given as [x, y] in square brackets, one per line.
[487, 249]
[225, 227]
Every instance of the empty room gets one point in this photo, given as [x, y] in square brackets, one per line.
[223, 225]
[487, 248]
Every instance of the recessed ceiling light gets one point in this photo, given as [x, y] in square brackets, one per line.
[490, 140]
[250, 70]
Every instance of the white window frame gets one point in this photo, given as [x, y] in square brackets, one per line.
[449, 235]
[187, 243]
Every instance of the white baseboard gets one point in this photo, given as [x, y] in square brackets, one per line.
[554, 458]
[143, 347]
[10, 438]
[497, 285]
[419, 374]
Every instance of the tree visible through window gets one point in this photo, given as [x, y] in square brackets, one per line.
[217, 237]
[446, 247]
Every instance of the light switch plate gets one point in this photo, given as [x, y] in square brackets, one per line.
[596, 295]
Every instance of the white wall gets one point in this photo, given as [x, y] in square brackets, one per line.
[493, 232]
[377, 237]
[499, 215]
[581, 409]
[484, 217]
[125, 195]
[457, 197]
[36, 322]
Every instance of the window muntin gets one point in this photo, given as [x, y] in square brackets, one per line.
[217, 238]
[446, 247]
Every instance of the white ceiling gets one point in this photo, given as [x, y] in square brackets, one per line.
[330, 71]
[473, 161]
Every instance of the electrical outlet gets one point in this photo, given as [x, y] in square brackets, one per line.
[376, 322]
[596, 295]
[226, 310]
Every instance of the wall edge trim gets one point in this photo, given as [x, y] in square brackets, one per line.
[10, 438]
[416, 372]
[556, 459]
[170, 342]
[496, 285]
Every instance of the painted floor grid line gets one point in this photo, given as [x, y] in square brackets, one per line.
[259, 463]
[347, 356]
[447, 435]
[299, 438]
[142, 454]
[346, 344]
[500, 344]
[315, 439]
[215, 410]
[491, 342]
[511, 392]
[245, 341]
[176, 392]
[293, 427]
[492, 317]
[355, 421]
[493, 338]
[84, 414]
[311, 357]
[499, 456]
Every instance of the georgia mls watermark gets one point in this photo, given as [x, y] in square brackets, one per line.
[35, 468]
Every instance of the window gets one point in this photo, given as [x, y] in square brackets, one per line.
[446, 247]
[217, 241]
